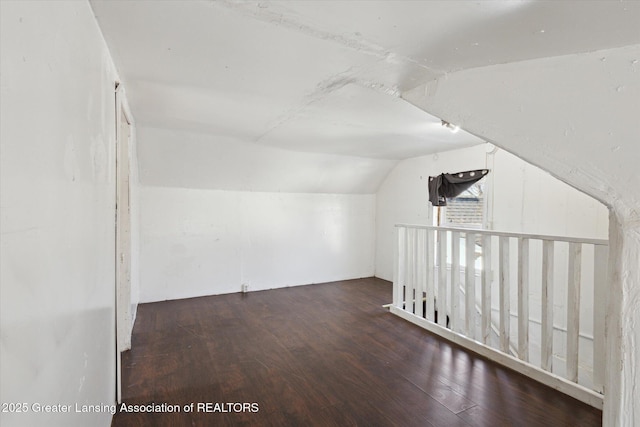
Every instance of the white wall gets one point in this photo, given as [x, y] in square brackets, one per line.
[577, 117]
[203, 242]
[524, 199]
[174, 158]
[57, 197]
[530, 200]
[217, 213]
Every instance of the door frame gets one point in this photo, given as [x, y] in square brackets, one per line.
[123, 312]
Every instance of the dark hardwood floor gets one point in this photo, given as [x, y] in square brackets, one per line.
[320, 355]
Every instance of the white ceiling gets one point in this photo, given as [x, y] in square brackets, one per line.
[326, 76]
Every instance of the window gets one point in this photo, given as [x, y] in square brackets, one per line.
[465, 210]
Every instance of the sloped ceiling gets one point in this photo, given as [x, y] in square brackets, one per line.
[322, 77]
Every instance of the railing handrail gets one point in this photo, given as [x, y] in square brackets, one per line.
[600, 242]
[424, 291]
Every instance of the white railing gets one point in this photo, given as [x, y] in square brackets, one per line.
[538, 307]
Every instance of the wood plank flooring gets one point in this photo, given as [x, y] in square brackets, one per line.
[320, 355]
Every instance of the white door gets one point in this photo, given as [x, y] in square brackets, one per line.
[123, 238]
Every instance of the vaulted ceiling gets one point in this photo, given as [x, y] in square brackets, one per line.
[326, 77]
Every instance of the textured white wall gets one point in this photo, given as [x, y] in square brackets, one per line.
[575, 116]
[57, 197]
[528, 199]
[623, 325]
[203, 242]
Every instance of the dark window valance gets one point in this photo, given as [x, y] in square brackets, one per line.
[448, 185]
